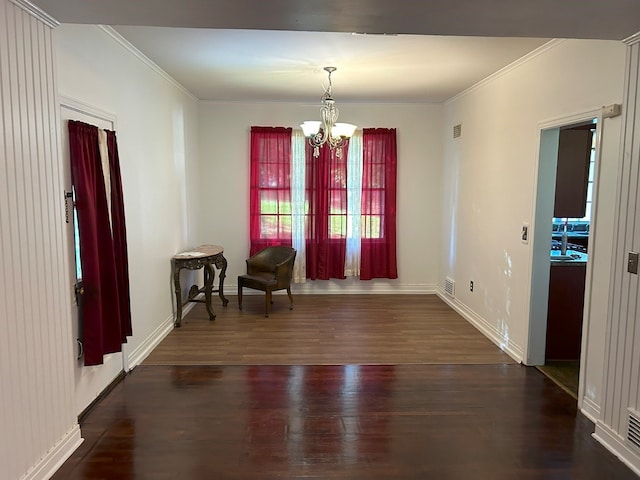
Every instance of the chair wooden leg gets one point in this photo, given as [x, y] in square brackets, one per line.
[290, 298]
[267, 303]
[239, 296]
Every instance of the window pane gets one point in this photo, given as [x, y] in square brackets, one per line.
[375, 176]
[337, 226]
[285, 203]
[285, 227]
[337, 202]
[275, 226]
[268, 201]
[373, 202]
[372, 226]
[275, 202]
[338, 176]
[268, 226]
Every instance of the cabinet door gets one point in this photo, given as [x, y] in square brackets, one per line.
[564, 313]
[572, 173]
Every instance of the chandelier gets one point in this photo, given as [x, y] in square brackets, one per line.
[327, 130]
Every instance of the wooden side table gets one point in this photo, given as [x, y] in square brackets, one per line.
[203, 256]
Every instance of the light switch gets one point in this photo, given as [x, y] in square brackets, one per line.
[632, 263]
[524, 234]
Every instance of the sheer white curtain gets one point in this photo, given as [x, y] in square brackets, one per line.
[297, 205]
[354, 195]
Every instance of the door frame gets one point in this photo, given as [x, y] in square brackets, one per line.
[89, 381]
[534, 350]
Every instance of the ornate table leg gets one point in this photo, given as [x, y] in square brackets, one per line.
[176, 283]
[221, 264]
[208, 286]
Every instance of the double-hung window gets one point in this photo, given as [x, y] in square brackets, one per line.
[339, 212]
[270, 190]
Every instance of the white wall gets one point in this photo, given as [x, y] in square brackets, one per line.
[38, 423]
[156, 130]
[185, 175]
[490, 184]
[224, 144]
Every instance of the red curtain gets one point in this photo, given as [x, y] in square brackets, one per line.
[326, 213]
[119, 231]
[378, 255]
[105, 325]
[270, 188]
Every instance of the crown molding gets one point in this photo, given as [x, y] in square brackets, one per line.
[36, 12]
[512, 66]
[635, 38]
[123, 42]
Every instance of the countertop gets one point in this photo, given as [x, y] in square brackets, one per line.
[572, 257]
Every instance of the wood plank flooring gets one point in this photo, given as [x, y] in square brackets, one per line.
[344, 387]
[373, 422]
[328, 329]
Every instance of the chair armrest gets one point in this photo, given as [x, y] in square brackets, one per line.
[284, 270]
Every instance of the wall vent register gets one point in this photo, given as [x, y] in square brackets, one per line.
[633, 431]
[449, 286]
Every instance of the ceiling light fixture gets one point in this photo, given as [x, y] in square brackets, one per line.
[328, 130]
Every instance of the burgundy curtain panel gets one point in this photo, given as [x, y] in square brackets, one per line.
[378, 245]
[270, 188]
[103, 256]
[326, 214]
[119, 232]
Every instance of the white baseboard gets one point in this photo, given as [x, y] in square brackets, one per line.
[143, 350]
[590, 409]
[349, 287]
[56, 456]
[489, 331]
[615, 444]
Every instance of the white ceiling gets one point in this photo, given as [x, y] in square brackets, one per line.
[414, 51]
[254, 65]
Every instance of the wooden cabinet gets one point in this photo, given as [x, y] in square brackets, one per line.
[564, 313]
[572, 172]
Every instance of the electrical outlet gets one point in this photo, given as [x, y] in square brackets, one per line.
[632, 263]
[471, 286]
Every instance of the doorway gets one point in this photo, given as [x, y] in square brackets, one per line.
[551, 281]
[89, 381]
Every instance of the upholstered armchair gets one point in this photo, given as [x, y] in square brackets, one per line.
[269, 270]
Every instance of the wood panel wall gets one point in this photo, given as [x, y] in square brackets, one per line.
[38, 427]
[621, 382]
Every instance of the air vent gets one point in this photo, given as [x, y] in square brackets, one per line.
[633, 433]
[457, 130]
[449, 286]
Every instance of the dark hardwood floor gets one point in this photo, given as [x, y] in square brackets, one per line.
[499, 421]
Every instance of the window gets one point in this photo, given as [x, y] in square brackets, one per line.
[270, 190]
[373, 195]
[329, 208]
